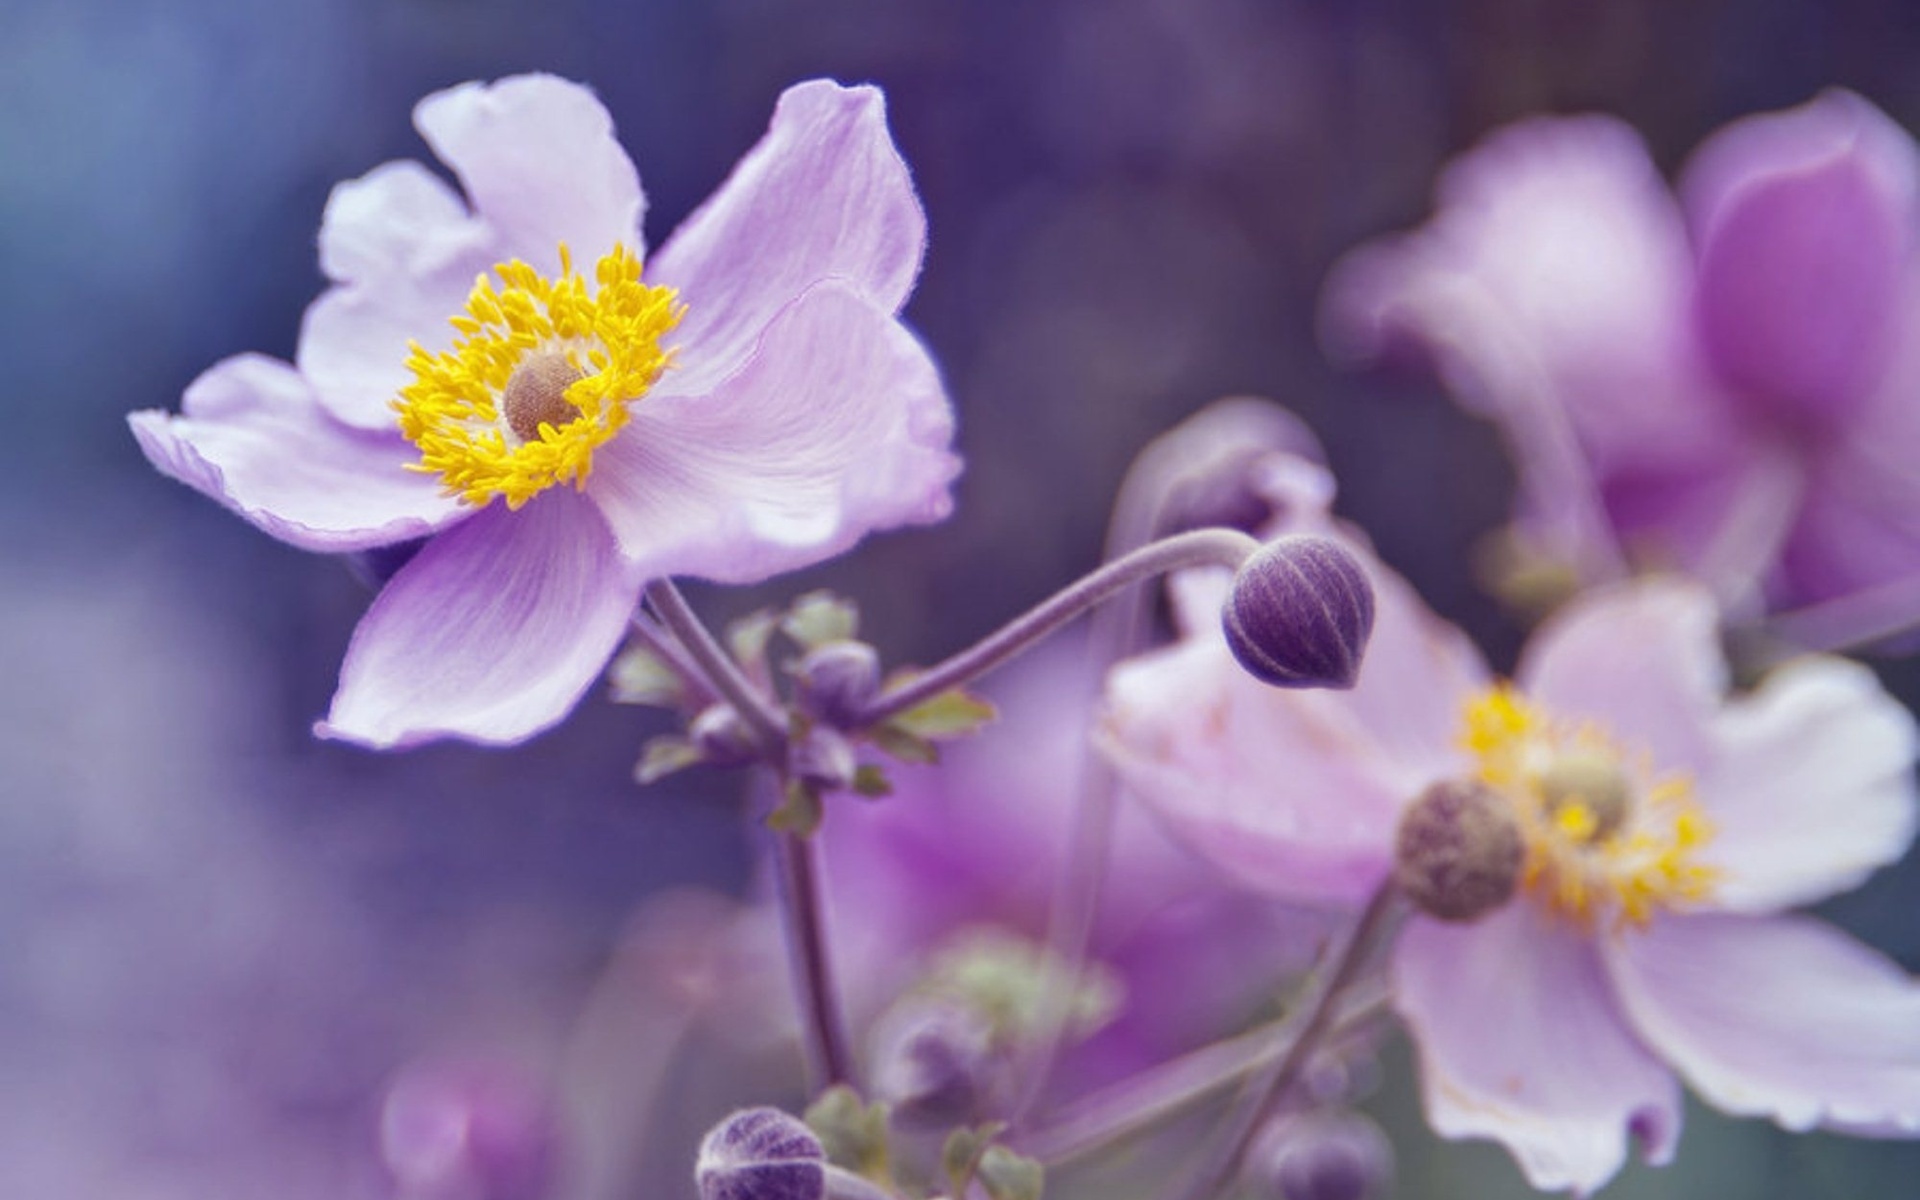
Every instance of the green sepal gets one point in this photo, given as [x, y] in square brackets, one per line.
[664, 756]
[963, 1152]
[747, 639]
[951, 714]
[799, 812]
[639, 676]
[870, 780]
[853, 1133]
[904, 746]
[1010, 1176]
[821, 617]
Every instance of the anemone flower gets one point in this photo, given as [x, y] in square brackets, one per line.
[499, 376]
[1720, 382]
[1667, 828]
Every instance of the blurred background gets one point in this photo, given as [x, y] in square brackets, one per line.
[221, 941]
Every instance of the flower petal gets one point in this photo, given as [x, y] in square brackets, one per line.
[1813, 787]
[1520, 1040]
[824, 194]
[838, 426]
[252, 436]
[491, 633]
[539, 161]
[405, 253]
[1782, 1017]
[1804, 225]
[1643, 660]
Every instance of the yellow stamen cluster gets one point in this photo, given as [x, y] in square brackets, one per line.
[1604, 835]
[608, 337]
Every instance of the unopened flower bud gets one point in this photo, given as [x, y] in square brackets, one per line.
[823, 759]
[1458, 852]
[834, 682]
[1300, 613]
[934, 1064]
[761, 1154]
[723, 739]
[1322, 1156]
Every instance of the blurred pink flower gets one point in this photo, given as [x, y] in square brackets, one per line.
[754, 406]
[1649, 939]
[1722, 382]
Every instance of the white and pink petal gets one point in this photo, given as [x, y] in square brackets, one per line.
[824, 195]
[540, 164]
[252, 436]
[836, 427]
[1520, 1040]
[491, 633]
[1783, 1017]
[1812, 787]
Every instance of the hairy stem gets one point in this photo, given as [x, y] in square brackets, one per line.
[828, 1061]
[1202, 547]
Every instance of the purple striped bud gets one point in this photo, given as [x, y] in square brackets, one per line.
[1300, 613]
[761, 1154]
[934, 1064]
[835, 681]
[1321, 1156]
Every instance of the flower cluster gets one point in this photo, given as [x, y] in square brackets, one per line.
[1230, 858]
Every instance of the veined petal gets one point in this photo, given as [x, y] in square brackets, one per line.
[838, 426]
[1641, 659]
[823, 195]
[1812, 788]
[1804, 221]
[1782, 1017]
[404, 253]
[252, 436]
[491, 633]
[1520, 1040]
[539, 161]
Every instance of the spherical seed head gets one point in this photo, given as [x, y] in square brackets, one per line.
[1300, 613]
[835, 681]
[1459, 851]
[536, 393]
[1596, 782]
[761, 1154]
[1321, 1156]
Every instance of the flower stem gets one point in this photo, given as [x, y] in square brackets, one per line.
[721, 673]
[1217, 1170]
[828, 1062]
[1202, 547]
[1159, 1093]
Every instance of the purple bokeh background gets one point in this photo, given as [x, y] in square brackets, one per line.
[219, 939]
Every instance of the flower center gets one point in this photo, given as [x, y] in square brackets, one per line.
[541, 374]
[1604, 835]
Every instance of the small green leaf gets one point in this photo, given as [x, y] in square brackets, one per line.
[907, 747]
[953, 713]
[799, 811]
[747, 639]
[853, 1133]
[639, 676]
[821, 617]
[663, 756]
[1009, 1176]
[870, 780]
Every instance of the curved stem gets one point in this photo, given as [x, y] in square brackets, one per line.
[1202, 547]
[1854, 620]
[828, 1062]
[722, 674]
[1160, 1093]
[1219, 1167]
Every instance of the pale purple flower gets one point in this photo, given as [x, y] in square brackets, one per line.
[749, 405]
[1650, 941]
[1724, 381]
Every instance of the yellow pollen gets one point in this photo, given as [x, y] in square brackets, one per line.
[1605, 837]
[541, 374]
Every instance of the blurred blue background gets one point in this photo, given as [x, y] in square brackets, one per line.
[218, 937]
